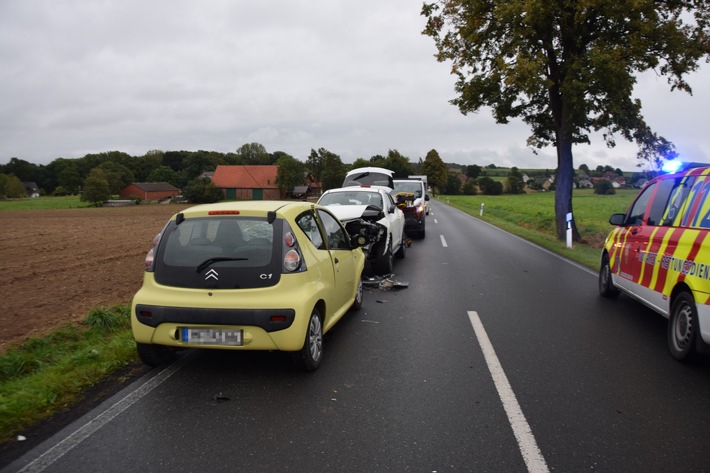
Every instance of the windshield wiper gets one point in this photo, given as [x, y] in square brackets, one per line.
[209, 261]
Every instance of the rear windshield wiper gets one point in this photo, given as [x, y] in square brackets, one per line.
[209, 261]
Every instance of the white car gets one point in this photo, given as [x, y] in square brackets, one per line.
[373, 206]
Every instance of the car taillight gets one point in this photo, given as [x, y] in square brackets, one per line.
[150, 257]
[292, 260]
[292, 256]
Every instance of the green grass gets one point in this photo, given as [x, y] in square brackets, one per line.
[532, 216]
[43, 203]
[44, 375]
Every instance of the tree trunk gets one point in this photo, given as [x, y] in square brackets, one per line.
[563, 190]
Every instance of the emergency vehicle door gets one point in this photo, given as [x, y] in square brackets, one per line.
[663, 205]
[633, 236]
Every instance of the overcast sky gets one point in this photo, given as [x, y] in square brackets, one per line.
[355, 77]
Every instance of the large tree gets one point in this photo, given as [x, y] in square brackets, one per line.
[435, 170]
[398, 164]
[567, 67]
[291, 173]
[327, 168]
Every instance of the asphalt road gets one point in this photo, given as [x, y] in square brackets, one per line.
[498, 357]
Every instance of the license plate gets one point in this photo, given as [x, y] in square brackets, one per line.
[212, 336]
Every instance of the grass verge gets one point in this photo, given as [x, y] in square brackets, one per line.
[46, 375]
[532, 217]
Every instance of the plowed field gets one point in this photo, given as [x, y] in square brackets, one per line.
[56, 265]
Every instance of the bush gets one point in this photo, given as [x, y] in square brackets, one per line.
[604, 187]
[470, 188]
[489, 186]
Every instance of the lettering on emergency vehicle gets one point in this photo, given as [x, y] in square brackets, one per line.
[679, 265]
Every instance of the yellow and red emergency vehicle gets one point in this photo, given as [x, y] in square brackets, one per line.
[658, 254]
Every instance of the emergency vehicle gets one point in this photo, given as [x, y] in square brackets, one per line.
[657, 254]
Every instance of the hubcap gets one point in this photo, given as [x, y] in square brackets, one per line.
[358, 295]
[315, 339]
[683, 328]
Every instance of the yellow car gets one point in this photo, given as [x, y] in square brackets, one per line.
[259, 275]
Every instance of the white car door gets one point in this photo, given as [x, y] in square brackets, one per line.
[395, 218]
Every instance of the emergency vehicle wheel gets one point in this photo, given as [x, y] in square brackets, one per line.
[683, 327]
[606, 286]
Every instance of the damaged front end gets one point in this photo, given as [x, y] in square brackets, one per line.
[368, 227]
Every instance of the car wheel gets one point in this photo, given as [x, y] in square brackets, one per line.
[383, 262]
[359, 294]
[683, 327]
[402, 252]
[155, 355]
[606, 286]
[311, 354]
[422, 232]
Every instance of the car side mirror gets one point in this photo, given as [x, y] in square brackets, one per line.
[617, 219]
[426, 197]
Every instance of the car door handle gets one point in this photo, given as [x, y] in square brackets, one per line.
[634, 231]
[336, 261]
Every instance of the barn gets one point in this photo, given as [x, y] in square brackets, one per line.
[149, 191]
[257, 182]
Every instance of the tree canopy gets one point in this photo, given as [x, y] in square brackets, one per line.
[568, 67]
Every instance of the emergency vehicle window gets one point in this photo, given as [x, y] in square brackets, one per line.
[660, 207]
[676, 200]
[637, 210]
[702, 218]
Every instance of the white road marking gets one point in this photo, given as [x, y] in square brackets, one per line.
[436, 221]
[526, 441]
[59, 450]
[443, 241]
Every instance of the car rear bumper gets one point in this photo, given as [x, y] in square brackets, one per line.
[159, 313]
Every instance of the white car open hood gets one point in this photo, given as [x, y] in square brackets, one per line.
[347, 212]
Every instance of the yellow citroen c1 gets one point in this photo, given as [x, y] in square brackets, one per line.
[259, 275]
[658, 255]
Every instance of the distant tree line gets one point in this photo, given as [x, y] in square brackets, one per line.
[97, 176]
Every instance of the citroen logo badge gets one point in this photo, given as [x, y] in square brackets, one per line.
[212, 274]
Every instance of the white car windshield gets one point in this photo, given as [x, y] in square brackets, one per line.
[352, 198]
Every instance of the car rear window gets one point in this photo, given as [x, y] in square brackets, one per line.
[410, 187]
[368, 178]
[220, 252]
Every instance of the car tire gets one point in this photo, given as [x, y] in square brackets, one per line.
[310, 356]
[383, 261]
[606, 286]
[155, 355]
[683, 327]
[422, 232]
[359, 295]
[402, 252]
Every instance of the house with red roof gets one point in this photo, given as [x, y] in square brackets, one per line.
[247, 182]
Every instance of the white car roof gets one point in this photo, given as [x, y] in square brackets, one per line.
[359, 189]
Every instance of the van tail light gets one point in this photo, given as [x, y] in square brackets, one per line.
[292, 256]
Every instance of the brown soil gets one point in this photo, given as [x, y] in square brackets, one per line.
[56, 265]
